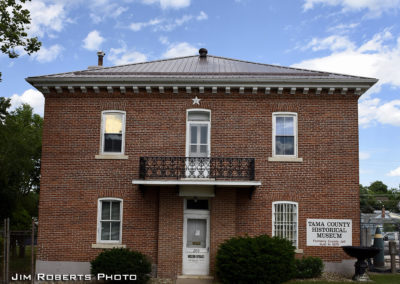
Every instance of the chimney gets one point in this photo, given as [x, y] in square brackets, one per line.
[100, 55]
[203, 53]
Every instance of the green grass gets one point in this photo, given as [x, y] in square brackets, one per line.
[308, 281]
[386, 278]
[19, 265]
[377, 278]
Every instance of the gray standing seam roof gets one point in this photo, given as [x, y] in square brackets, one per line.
[199, 67]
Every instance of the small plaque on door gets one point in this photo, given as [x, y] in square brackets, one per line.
[195, 256]
[196, 243]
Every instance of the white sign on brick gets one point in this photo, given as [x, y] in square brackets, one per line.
[329, 232]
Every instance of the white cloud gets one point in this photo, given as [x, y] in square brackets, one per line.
[180, 49]
[372, 111]
[47, 54]
[167, 25]
[334, 43]
[375, 7]
[32, 97]
[172, 24]
[138, 26]
[364, 155]
[165, 4]
[181, 21]
[379, 58]
[46, 18]
[100, 10]
[394, 173]
[184, 19]
[93, 41]
[377, 42]
[202, 16]
[342, 28]
[164, 40]
[123, 55]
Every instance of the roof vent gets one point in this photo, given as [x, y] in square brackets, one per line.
[100, 55]
[203, 52]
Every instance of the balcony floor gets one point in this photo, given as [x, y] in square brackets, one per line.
[197, 182]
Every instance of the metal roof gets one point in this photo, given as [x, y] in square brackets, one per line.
[197, 67]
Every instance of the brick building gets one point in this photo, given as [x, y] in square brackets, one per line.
[172, 157]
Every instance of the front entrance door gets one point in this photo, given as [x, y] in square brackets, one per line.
[196, 240]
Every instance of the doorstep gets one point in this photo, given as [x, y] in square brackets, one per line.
[194, 279]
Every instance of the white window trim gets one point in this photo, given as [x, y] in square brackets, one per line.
[197, 122]
[98, 238]
[107, 246]
[297, 220]
[274, 155]
[102, 153]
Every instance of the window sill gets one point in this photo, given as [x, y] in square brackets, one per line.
[111, 157]
[285, 159]
[107, 246]
[298, 251]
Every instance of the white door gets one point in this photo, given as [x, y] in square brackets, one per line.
[198, 164]
[196, 243]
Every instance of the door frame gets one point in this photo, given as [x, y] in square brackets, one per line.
[199, 214]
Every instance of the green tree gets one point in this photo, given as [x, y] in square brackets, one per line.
[367, 201]
[378, 187]
[20, 152]
[14, 21]
[5, 103]
[394, 200]
[376, 195]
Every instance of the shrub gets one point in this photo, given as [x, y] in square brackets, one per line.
[122, 261]
[260, 259]
[309, 267]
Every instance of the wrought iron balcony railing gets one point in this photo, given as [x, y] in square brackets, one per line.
[191, 167]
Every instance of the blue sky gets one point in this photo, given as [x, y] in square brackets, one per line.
[358, 37]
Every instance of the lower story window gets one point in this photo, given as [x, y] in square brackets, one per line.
[109, 220]
[285, 220]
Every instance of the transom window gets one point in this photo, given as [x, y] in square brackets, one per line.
[113, 132]
[109, 220]
[285, 220]
[197, 204]
[284, 134]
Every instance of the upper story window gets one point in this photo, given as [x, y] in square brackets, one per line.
[109, 226]
[113, 132]
[284, 134]
[198, 133]
[285, 220]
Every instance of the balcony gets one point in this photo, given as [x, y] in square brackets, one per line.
[196, 168]
[197, 171]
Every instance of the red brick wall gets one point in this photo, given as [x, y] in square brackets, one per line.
[170, 242]
[222, 220]
[325, 184]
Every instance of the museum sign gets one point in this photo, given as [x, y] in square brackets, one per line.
[329, 232]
